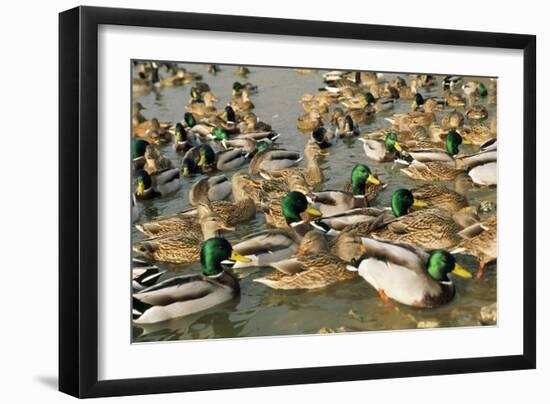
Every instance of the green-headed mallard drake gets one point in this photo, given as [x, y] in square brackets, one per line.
[474, 89]
[210, 161]
[184, 138]
[363, 182]
[185, 295]
[477, 112]
[480, 240]
[181, 248]
[381, 104]
[427, 228]
[209, 189]
[314, 267]
[238, 87]
[452, 142]
[138, 152]
[287, 212]
[408, 274]
[159, 184]
[386, 149]
[310, 120]
[312, 172]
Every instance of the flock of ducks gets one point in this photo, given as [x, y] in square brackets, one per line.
[315, 237]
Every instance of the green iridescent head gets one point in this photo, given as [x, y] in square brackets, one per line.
[441, 263]
[391, 144]
[138, 147]
[181, 134]
[348, 123]
[418, 100]
[481, 90]
[452, 141]
[189, 167]
[189, 119]
[262, 145]
[360, 175]
[370, 98]
[294, 204]
[213, 252]
[143, 182]
[208, 156]
[402, 200]
[219, 134]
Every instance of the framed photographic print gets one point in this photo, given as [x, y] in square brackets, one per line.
[251, 201]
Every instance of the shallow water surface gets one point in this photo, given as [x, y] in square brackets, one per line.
[344, 306]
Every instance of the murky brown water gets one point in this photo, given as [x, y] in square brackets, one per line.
[261, 311]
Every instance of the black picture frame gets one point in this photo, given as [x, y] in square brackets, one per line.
[78, 206]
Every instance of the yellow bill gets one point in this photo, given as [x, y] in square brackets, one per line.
[397, 147]
[373, 180]
[238, 257]
[419, 204]
[459, 271]
[253, 184]
[313, 212]
[362, 249]
[464, 141]
[185, 171]
[202, 161]
[140, 187]
[414, 104]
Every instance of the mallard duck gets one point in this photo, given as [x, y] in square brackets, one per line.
[265, 247]
[310, 101]
[474, 89]
[452, 120]
[203, 105]
[363, 182]
[267, 159]
[477, 134]
[427, 228]
[159, 184]
[477, 112]
[314, 267]
[408, 92]
[210, 161]
[137, 116]
[312, 172]
[155, 162]
[455, 100]
[426, 80]
[346, 128]
[209, 189]
[185, 295]
[480, 240]
[481, 166]
[323, 137]
[242, 103]
[332, 202]
[452, 142]
[141, 85]
[153, 131]
[186, 222]
[138, 152]
[242, 71]
[436, 196]
[405, 121]
[449, 83]
[275, 189]
[242, 209]
[213, 69]
[336, 85]
[287, 212]
[238, 87]
[310, 121]
[183, 140]
[361, 115]
[408, 274]
[181, 248]
[382, 150]
[144, 274]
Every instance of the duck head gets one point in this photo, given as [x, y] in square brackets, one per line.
[360, 175]
[213, 252]
[402, 200]
[138, 147]
[418, 101]
[143, 182]
[188, 167]
[391, 143]
[441, 263]
[452, 141]
[181, 135]
[294, 204]
[189, 119]
[207, 155]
